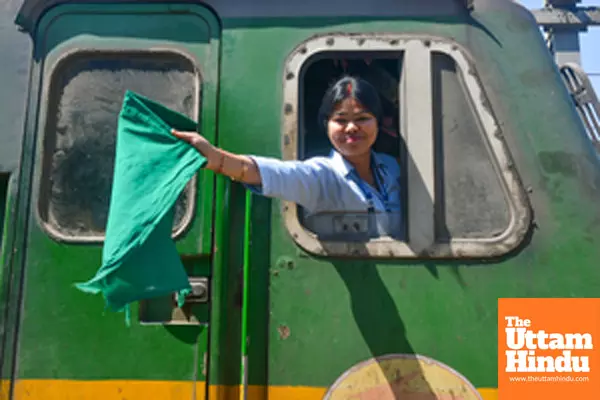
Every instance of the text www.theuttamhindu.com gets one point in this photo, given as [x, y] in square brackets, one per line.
[549, 379]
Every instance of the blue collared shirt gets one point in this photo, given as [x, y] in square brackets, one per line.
[331, 184]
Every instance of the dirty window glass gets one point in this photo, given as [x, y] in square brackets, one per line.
[470, 201]
[79, 143]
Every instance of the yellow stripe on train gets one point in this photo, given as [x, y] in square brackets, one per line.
[54, 389]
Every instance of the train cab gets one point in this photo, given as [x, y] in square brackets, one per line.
[500, 186]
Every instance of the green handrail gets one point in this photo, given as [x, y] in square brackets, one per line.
[245, 289]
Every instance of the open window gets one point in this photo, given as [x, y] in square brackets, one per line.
[461, 193]
[383, 71]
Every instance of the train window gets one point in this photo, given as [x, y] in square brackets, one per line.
[461, 194]
[470, 202]
[85, 96]
[383, 72]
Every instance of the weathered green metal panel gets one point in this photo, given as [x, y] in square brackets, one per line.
[327, 315]
[64, 333]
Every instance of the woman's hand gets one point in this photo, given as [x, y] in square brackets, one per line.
[202, 145]
[240, 168]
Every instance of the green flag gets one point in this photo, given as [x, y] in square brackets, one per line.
[152, 167]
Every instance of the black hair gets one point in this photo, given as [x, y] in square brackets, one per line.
[350, 87]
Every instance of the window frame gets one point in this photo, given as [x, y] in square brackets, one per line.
[51, 88]
[416, 84]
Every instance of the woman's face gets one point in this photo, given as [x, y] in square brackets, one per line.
[352, 129]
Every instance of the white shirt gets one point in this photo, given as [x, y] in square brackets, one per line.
[331, 184]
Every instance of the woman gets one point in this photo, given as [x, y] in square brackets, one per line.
[354, 178]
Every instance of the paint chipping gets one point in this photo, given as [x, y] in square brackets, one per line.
[284, 332]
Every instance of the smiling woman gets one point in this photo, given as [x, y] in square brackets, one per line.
[353, 177]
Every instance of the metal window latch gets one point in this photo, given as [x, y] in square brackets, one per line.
[199, 291]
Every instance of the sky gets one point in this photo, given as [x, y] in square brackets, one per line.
[589, 41]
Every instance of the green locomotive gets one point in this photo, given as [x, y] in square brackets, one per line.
[500, 182]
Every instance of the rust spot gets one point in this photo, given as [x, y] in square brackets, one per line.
[471, 70]
[289, 76]
[329, 42]
[394, 42]
[307, 292]
[485, 103]
[288, 108]
[284, 332]
[303, 50]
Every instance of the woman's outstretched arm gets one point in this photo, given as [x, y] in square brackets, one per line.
[304, 183]
[238, 167]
